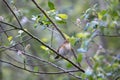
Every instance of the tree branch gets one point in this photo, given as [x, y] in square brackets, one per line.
[3, 30]
[6, 30]
[50, 63]
[15, 27]
[38, 72]
[110, 35]
[13, 13]
[14, 45]
[49, 19]
[34, 37]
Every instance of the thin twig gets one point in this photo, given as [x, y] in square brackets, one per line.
[62, 72]
[34, 37]
[50, 63]
[3, 30]
[75, 56]
[52, 34]
[6, 30]
[40, 40]
[15, 27]
[49, 19]
[54, 31]
[109, 35]
[13, 13]
[14, 45]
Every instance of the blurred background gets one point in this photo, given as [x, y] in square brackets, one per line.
[80, 13]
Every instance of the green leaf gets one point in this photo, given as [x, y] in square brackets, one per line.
[72, 40]
[63, 16]
[83, 35]
[68, 65]
[44, 48]
[61, 22]
[36, 68]
[83, 76]
[96, 65]
[51, 5]
[80, 56]
[100, 78]
[101, 14]
[35, 25]
[10, 38]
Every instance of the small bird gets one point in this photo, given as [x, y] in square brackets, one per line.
[64, 49]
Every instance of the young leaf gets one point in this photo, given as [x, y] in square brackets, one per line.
[79, 58]
[44, 48]
[68, 65]
[10, 38]
[63, 16]
[51, 5]
[83, 35]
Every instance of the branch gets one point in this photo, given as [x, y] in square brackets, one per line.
[110, 35]
[67, 71]
[34, 37]
[53, 28]
[14, 45]
[38, 72]
[15, 27]
[6, 30]
[12, 13]
[75, 56]
[49, 19]
[50, 63]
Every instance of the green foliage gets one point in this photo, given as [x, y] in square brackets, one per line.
[80, 57]
[51, 5]
[99, 62]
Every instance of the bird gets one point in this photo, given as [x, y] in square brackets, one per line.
[64, 49]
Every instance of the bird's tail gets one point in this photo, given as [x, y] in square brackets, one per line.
[57, 57]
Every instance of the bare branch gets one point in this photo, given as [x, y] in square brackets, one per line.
[13, 13]
[14, 45]
[50, 63]
[75, 56]
[110, 35]
[3, 30]
[6, 30]
[34, 37]
[62, 72]
[15, 27]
